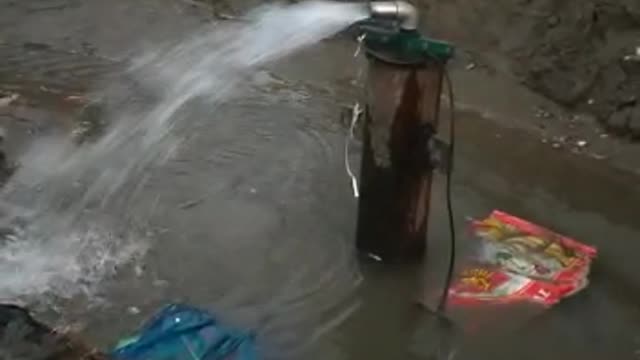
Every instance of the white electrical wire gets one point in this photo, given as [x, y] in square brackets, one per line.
[360, 39]
[355, 115]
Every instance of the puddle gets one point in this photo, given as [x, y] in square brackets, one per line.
[269, 239]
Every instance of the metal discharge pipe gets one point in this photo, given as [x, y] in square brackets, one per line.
[401, 12]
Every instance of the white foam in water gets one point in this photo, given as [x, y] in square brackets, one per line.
[65, 249]
[62, 267]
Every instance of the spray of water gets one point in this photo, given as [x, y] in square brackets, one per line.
[65, 196]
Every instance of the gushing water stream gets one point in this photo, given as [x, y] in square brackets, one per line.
[69, 204]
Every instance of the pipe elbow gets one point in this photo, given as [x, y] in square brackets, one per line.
[404, 13]
[407, 15]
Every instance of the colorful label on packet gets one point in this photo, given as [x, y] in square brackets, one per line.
[521, 261]
[529, 250]
[484, 283]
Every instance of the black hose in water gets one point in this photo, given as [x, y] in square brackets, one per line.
[452, 230]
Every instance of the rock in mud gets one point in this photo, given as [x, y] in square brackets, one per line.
[618, 121]
[7, 99]
[581, 143]
[91, 123]
[7, 168]
[634, 122]
[133, 310]
[23, 337]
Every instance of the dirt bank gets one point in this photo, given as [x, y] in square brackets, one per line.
[580, 54]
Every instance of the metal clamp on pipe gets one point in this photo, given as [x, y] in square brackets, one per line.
[435, 152]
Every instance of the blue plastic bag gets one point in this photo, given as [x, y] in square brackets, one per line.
[181, 332]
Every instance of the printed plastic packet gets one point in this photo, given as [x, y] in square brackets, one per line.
[520, 261]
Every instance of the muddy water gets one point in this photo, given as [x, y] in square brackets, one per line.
[79, 190]
[251, 222]
[254, 219]
[581, 197]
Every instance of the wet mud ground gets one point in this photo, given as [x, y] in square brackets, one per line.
[254, 216]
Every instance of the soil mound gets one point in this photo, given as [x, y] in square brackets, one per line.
[581, 54]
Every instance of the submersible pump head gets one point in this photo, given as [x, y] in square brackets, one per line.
[401, 12]
[391, 35]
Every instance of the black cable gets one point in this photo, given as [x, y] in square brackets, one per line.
[452, 230]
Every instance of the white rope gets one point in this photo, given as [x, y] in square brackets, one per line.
[360, 39]
[355, 115]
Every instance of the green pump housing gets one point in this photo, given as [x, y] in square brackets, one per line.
[407, 47]
[391, 34]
